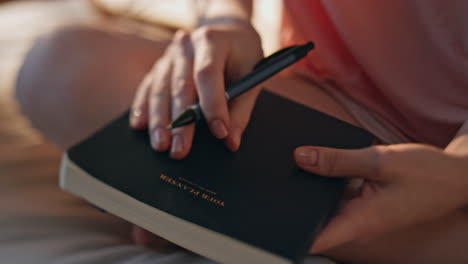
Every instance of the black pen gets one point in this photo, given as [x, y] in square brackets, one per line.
[265, 69]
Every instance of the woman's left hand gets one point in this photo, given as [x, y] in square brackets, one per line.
[404, 184]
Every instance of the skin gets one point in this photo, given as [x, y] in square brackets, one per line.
[196, 66]
[427, 228]
[405, 184]
[396, 192]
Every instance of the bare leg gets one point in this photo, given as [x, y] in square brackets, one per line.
[78, 79]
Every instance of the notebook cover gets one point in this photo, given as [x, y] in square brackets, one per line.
[256, 195]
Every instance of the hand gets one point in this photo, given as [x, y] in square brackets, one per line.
[196, 66]
[404, 185]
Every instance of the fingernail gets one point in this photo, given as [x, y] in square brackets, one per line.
[134, 117]
[158, 139]
[177, 145]
[236, 138]
[308, 156]
[218, 128]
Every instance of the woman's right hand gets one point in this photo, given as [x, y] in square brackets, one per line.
[196, 66]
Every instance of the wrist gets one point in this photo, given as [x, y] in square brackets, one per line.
[224, 12]
[224, 20]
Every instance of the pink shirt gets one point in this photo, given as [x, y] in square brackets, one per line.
[401, 65]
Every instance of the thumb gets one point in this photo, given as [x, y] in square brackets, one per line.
[361, 163]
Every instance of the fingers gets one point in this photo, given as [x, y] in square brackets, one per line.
[362, 216]
[362, 163]
[181, 76]
[139, 109]
[401, 190]
[209, 65]
[183, 94]
[159, 105]
[241, 109]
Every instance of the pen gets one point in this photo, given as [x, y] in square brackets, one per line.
[263, 70]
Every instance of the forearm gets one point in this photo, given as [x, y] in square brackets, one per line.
[209, 10]
[459, 145]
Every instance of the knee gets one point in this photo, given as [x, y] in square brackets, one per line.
[47, 65]
[43, 68]
[79, 66]
[50, 77]
[74, 60]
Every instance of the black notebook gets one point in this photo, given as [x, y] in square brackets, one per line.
[251, 206]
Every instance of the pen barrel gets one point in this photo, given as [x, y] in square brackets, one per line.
[273, 64]
[257, 77]
[198, 113]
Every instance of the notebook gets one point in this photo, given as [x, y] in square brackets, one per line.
[250, 206]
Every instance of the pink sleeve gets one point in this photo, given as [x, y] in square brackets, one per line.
[406, 61]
